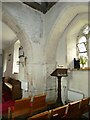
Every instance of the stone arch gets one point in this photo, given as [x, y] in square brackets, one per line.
[80, 22]
[61, 22]
[17, 29]
[53, 40]
[69, 41]
[8, 19]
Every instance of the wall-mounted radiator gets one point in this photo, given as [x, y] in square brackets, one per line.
[74, 95]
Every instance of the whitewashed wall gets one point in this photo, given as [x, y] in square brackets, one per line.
[48, 40]
[28, 26]
[61, 38]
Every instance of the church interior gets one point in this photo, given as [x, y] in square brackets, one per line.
[45, 61]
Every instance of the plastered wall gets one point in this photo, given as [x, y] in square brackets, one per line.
[48, 40]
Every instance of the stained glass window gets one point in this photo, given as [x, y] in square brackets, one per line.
[82, 44]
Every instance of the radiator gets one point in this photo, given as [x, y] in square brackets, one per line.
[74, 95]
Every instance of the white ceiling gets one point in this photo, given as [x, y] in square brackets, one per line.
[8, 36]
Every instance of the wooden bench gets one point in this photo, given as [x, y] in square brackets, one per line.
[39, 104]
[85, 106]
[76, 109]
[41, 116]
[73, 111]
[58, 113]
[21, 107]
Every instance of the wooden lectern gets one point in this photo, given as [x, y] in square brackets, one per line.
[59, 72]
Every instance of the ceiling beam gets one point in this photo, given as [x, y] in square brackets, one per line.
[43, 7]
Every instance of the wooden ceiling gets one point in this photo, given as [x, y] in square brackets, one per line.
[43, 6]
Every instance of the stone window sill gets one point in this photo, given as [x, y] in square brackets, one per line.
[81, 69]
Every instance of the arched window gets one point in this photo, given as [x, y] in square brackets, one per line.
[16, 57]
[82, 45]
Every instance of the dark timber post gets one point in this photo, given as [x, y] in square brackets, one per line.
[59, 73]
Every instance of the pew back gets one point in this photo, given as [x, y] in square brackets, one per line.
[22, 103]
[22, 107]
[73, 110]
[59, 111]
[84, 105]
[40, 116]
[84, 102]
[39, 103]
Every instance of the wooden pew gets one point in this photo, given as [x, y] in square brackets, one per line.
[85, 106]
[41, 116]
[21, 107]
[73, 111]
[14, 86]
[58, 113]
[39, 104]
[89, 108]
